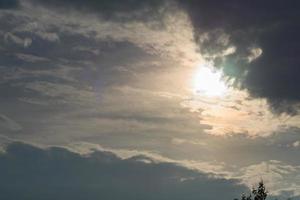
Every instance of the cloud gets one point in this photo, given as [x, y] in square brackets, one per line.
[280, 176]
[111, 9]
[108, 73]
[237, 113]
[296, 144]
[161, 30]
[8, 4]
[11, 38]
[76, 75]
[89, 167]
[56, 173]
[179, 141]
[276, 175]
[37, 29]
[275, 74]
[62, 93]
[30, 58]
[215, 169]
[7, 124]
[76, 57]
[254, 54]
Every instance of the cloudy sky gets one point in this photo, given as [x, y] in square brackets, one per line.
[149, 99]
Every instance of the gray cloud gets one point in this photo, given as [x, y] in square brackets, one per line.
[23, 42]
[7, 124]
[57, 173]
[8, 4]
[116, 10]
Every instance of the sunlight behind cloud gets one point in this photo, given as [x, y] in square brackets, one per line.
[208, 82]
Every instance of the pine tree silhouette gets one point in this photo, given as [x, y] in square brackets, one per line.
[259, 193]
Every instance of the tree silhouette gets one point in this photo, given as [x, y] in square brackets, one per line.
[259, 193]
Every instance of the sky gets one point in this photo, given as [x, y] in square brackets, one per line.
[149, 99]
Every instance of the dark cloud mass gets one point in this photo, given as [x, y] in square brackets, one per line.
[28, 172]
[121, 10]
[272, 26]
[7, 4]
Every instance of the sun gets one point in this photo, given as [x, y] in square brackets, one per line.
[209, 82]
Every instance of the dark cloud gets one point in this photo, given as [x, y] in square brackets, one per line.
[120, 10]
[28, 172]
[8, 4]
[272, 26]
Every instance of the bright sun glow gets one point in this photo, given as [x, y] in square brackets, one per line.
[208, 82]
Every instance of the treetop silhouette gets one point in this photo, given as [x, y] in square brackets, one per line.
[259, 193]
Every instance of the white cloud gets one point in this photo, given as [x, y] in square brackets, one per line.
[179, 141]
[296, 144]
[214, 168]
[278, 176]
[254, 54]
[238, 113]
[30, 58]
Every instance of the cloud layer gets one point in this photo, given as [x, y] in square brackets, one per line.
[36, 173]
[264, 35]
[119, 74]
